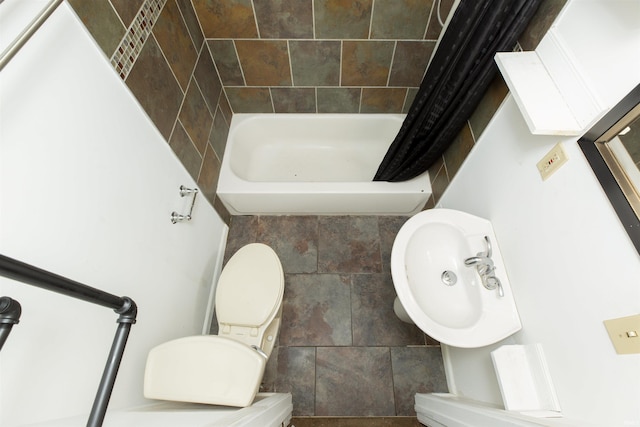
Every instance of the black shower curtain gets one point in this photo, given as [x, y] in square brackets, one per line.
[457, 78]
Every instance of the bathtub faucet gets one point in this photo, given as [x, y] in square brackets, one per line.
[485, 268]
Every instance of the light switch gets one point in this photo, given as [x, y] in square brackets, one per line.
[625, 334]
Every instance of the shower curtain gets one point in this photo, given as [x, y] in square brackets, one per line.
[457, 77]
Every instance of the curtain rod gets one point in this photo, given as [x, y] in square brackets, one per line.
[17, 44]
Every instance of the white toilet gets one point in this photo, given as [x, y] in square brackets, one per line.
[225, 369]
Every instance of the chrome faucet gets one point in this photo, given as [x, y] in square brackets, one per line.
[485, 268]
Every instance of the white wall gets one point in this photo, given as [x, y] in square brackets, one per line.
[570, 263]
[87, 186]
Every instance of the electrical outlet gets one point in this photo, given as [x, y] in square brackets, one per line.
[552, 161]
[624, 333]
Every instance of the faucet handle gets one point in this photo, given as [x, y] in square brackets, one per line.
[488, 251]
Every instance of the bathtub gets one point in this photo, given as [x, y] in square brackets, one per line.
[314, 164]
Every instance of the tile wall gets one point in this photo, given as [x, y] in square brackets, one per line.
[205, 59]
[157, 48]
[320, 56]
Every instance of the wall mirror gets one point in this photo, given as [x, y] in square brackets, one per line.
[612, 148]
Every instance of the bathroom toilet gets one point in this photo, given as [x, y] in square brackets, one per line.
[225, 369]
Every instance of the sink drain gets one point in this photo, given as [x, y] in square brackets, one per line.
[449, 278]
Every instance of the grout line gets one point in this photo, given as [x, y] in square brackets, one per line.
[184, 21]
[373, 8]
[393, 56]
[313, 18]
[426, 28]
[255, 19]
[473, 136]
[293, 83]
[235, 48]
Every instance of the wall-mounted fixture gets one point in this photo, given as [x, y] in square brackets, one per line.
[587, 47]
[184, 191]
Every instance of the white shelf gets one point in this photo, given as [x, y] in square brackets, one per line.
[550, 91]
[541, 103]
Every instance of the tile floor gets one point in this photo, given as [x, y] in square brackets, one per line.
[341, 350]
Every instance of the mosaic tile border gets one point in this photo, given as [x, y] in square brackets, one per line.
[131, 44]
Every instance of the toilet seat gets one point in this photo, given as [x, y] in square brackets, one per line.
[250, 288]
[226, 369]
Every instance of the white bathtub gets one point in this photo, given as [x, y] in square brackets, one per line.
[314, 164]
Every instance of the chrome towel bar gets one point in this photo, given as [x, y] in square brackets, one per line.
[184, 191]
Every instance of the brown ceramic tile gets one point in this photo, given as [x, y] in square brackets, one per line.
[208, 179]
[294, 100]
[103, 23]
[221, 209]
[270, 376]
[416, 370]
[173, 37]
[492, 99]
[354, 381]
[316, 310]
[264, 62]
[411, 94]
[366, 63]
[226, 19]
[431, 342]
[284, 19]
[315, 63]
[540, 23]
[155, 87]
[439, 181]
[382, 100]
[226, 59]
[301, 421]
[207, 79]
[431, 203]
[412, 14]
[185, 150]
[374, 322]
[340, 310]
[434, 28]
[458, 151]
[348, 244]
[243, 230]
[219, 134]
[388, 227]
[338, 100]
[127, 9]
[297, 375]
[342, 19]
[191, 20]
[249, 99]
[295, 240]
[224, 106]
[196, 118]
[409, 62]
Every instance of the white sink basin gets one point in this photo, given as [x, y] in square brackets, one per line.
[445, 298]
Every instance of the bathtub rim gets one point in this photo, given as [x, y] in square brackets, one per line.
[230, 184]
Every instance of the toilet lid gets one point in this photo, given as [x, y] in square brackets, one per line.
[250, 287]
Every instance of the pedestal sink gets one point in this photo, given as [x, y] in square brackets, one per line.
[444, 297]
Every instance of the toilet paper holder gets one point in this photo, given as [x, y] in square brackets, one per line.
[184, 191]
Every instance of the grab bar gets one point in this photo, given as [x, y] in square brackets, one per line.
[26, 34]
[125, 307]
